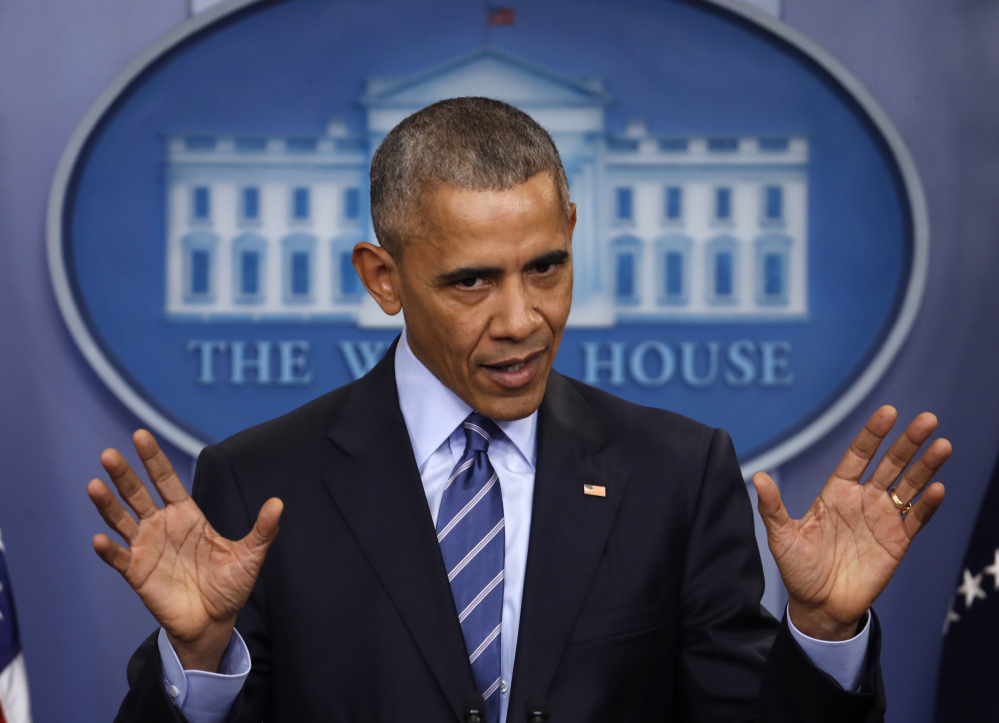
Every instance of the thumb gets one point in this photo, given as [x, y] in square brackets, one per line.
[771, 508]
[265, 529]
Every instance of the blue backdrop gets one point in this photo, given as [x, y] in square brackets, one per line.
[928, 63]
[284, 68]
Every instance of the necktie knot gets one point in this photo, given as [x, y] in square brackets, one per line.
[479, 432]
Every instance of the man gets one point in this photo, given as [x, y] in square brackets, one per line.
[465, 519]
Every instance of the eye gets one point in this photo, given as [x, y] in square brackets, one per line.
[471, 283]
[544, 269]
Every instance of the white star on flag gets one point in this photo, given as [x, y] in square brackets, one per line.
[952, 617]
[15, 706]
[971, 588]
[993, 570]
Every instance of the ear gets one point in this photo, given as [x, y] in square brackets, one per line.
[572, 221]
[379, 273]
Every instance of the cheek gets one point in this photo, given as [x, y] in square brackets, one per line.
[458, 329]
[554, 303]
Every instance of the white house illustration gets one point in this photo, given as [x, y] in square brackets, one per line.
[697, 228]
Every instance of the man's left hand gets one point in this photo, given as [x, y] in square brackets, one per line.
[837, 559]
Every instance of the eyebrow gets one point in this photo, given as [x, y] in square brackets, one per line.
[467, 272]
[552, 257]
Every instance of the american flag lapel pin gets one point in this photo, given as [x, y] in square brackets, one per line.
[595, 490]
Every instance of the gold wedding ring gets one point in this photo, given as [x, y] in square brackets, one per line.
[903, 507]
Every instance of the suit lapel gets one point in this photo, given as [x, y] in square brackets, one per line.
[568, 532]
[378, 490]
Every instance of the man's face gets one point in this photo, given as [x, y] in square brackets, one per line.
[486, 289]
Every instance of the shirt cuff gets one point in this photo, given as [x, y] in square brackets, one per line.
[842, 659]
[205, 697]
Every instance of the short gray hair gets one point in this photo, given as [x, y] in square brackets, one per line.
[476, 144]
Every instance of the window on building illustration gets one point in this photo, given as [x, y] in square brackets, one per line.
[350, 144]
[251, 204]
[773, 269]
[722, 261]
[300, 145]
[672, 262]
[723, 273]
[622, 145]
[300, 204]
[201, 203]
[248, 268]
[350, 283]
[625, 286]
[773, 145]
[626, 251]
[624, 203]
[674, 273]
[200, 143]
[773, 203]
[674, 203]
[673, 145]
[773, 274]
[352, 203]
[298, 252]
[249, 273]
[723, 203]
[300, 273]
[251, 145]
[723, 145]
[201, 268]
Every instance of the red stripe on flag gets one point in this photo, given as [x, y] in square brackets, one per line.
[502, 15]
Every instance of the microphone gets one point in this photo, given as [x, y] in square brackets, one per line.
[536, 709]
[473, 709]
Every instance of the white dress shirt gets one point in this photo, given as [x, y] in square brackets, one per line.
[434, 415]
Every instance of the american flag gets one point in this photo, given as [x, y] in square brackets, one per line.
[969, 664]
[15, 706]
[502, 15]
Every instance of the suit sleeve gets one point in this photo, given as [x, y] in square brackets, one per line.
[737, 662]
[217, 493]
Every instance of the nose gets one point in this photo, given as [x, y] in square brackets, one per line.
[516, 317]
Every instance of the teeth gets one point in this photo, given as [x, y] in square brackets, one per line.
[513, 367]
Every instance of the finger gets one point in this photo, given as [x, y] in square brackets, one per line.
[923, 510]
[158, 467]
[900, 454]
[113, 512]
[129, 486]
[265, 529]
[771, 507]
[925, 468]
[865, 444]
[112, 553]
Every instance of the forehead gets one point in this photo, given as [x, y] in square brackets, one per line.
[461, 222]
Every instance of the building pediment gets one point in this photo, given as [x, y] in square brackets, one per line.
[488, 72]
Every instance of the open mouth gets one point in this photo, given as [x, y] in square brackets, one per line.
[514, 373]
[515, 367]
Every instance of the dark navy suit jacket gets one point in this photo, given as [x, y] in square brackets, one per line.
[639, 606]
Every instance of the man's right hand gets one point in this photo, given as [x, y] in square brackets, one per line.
[191, 579]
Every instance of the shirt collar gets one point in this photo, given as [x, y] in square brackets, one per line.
[432, 411]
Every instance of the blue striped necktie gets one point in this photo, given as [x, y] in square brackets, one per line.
[470, 532]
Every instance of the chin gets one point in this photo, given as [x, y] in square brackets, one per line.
[508, 408]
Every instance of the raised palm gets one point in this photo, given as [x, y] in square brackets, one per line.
[191, 579]
[837, 559]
